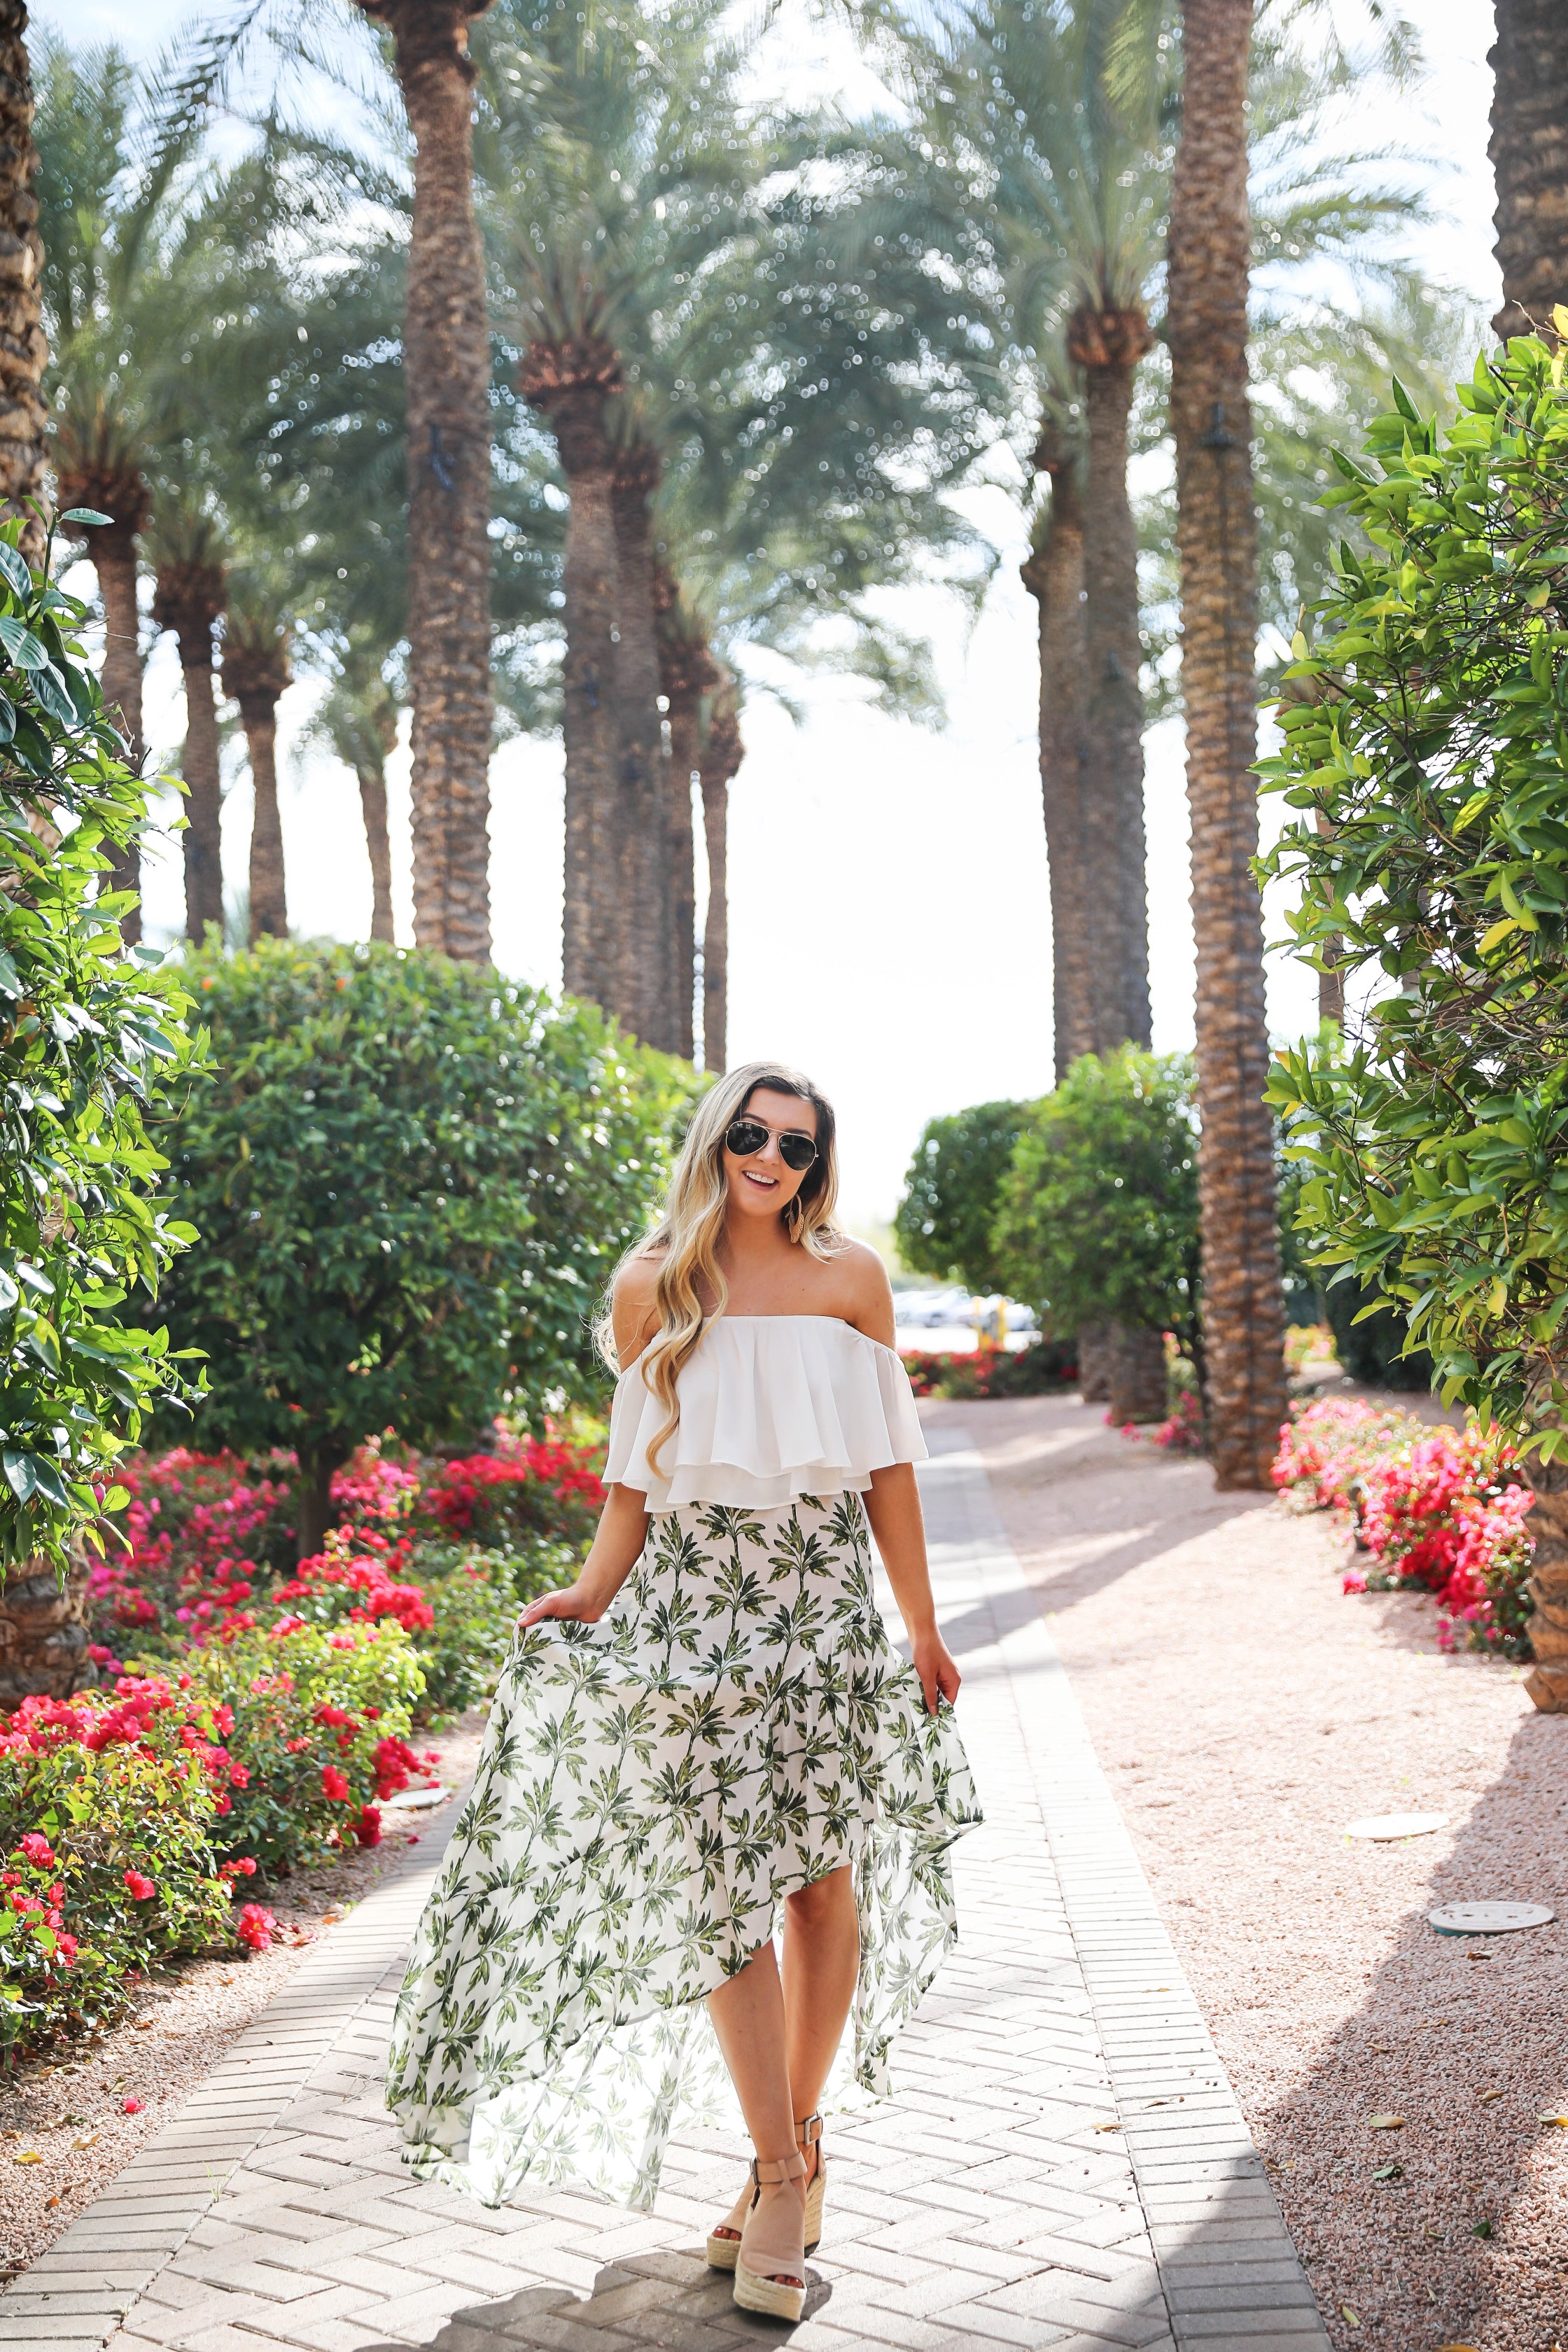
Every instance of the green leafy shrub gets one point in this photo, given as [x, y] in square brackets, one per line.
[1098, 1220]
[106, 1864]
[1428, 761]
[945, 1219]
[90, 1042]
[412, 1178]
[475, 1601]
[314, 1721]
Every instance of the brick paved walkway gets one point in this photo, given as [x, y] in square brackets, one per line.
[1063, 2164]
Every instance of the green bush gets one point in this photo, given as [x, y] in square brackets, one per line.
[1098, 1220]
[314, 1720]
[476, 1596]
[106, 1864]
[90, 1042]
[411, 1178]
[944, 1221]
[1428, 761]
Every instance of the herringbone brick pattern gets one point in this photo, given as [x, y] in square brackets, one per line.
[1063, 2164]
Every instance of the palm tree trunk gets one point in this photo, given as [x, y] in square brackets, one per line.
[378, 842]
[1140, 1378]
[447, 365]
[643, 960]
[1054, 576]
[684, 733]
[23, 347]
[593, 900]
[203, 836]
[1528, 148]
[268, 899]
[721, 757]
[1244, 1318]
[1108, 346]
[113, 551]
[1095, 1352]
[44, 1630]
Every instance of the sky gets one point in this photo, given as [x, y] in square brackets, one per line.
[889, 924]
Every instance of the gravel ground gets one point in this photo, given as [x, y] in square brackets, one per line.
[1246, 1711]
[70, 2113]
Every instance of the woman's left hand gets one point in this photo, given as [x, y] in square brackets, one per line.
[939, 1677]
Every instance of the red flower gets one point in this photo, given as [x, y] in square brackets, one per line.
[333, 1784]
[37, 1849]
[143, 1889]
[255, 1926]
[131, 2107]
[367, 1828]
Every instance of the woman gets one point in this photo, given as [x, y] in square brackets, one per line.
[707, 1728]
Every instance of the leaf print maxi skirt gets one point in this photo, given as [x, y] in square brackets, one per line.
[651, 1786]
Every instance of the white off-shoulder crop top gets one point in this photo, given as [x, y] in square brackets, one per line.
[772, 1406]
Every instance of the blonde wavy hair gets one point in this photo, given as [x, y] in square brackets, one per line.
[687, 1237]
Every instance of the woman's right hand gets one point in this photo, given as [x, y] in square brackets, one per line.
[571, 1601]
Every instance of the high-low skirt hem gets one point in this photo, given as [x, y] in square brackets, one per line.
[652, 1789]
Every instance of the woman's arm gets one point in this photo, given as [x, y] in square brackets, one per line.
[622, 1525]
[893, 1508]
[623, 1522]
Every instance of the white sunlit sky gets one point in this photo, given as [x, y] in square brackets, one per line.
[888, 911]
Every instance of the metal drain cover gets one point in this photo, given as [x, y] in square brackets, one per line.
[1383, 1828]
[1489, 1918]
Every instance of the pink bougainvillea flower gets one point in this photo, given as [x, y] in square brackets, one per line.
[367, 1828]
[131, 2107]
[143, 1889]
[333, 1784]
[37, 1849]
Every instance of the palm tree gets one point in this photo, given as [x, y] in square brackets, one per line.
[447, 363]
[635, 183]
[357, 722]
[256, 674]
[23, 347]
[1244, 1316]
[447, 371]
[569, 372]
[646, 884]
[97, 466]
[1065, 114]
[1053, 574]
[1528, 148]
[689, 678]
[187, 551]
[1069, 109]
[722, 754]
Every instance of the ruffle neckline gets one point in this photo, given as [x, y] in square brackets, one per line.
[772, 1407]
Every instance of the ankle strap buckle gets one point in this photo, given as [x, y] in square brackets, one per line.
[808, 2131]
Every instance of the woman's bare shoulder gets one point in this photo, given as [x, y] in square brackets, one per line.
[636, 1279]
[861, 1280]
[634, 1303]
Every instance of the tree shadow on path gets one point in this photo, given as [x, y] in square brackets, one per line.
[1460, 2214]
[670, 2298]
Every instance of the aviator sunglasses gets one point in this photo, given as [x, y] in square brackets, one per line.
[746, 1136]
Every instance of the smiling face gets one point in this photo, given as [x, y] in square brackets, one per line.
[763, 1186]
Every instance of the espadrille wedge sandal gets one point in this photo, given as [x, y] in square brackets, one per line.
[724, 2243]
[808, 2135]
[770, 2264]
